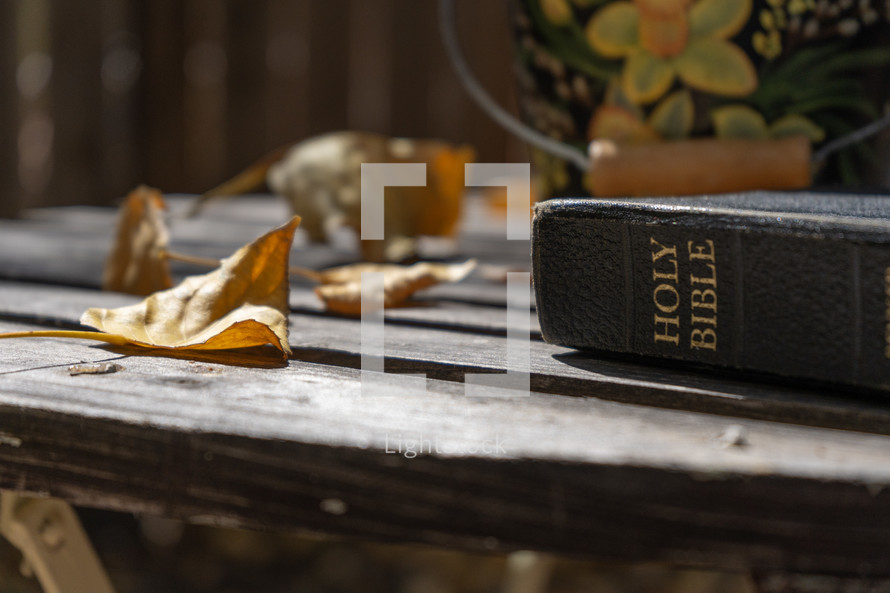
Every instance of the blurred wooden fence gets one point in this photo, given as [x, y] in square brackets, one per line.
[97, 96]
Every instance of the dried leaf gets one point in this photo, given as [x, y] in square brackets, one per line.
[321, 178]
[241, 305]
[341, 289]
[137, 264]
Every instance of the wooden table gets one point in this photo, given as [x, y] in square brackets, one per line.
[605, 458]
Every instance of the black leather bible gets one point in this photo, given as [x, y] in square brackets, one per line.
[789, 284]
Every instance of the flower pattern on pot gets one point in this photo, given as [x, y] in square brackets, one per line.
[662, 41]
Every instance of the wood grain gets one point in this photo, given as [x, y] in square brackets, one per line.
[604, 458]
[573, 475]
[447, 340]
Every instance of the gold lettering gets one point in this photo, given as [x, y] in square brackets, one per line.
[670, 307]
[673, 276]
[668, 323]
[703, 338]
[703, 302]
[663, 250]
[712, 281]
[704, 299]
[698, 251]
[665, 295]
[706, 320]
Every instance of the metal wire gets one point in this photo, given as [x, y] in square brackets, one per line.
[489, 106]
[853, 137]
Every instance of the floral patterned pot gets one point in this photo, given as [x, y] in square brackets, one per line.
[646, 71]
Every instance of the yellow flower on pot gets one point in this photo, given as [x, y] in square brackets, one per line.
[662, 40]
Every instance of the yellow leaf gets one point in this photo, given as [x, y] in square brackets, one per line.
[794, 124]
[716, 66]
[341, 290]
[739, 121]
[719, 19]
[242, 304]
[646, 77]
[673, 117]
[137, 264]
[614, 30]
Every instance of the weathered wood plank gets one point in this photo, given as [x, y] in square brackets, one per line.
[582, 468]
[446, 343]
[31, 249]
[272, 449]
[70, 245]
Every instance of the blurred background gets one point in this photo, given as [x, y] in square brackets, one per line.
[98, 96]
[153, 555]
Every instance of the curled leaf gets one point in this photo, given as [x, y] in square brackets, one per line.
[137, 264]
[242, 304]
[341, 289]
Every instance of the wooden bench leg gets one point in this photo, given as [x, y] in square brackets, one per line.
[53, 543]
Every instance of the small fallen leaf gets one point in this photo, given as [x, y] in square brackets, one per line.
[341, 289]
[137, 264]
[241, 305]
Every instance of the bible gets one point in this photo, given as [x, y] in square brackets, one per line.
[793, 284]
